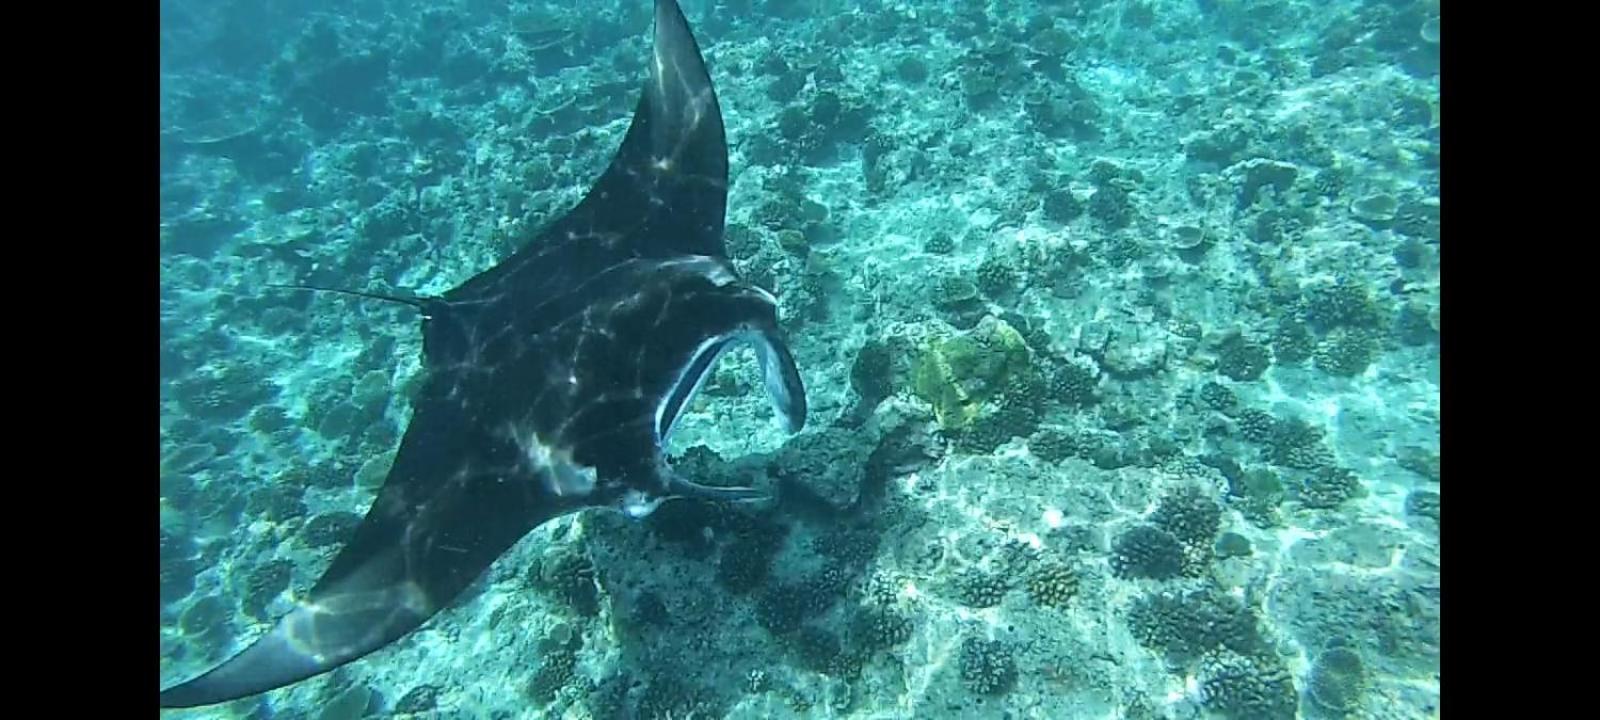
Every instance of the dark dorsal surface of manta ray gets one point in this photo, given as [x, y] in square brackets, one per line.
[552, 381]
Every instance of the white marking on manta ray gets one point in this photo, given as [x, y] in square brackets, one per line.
[302, 630]
[636, 504]
[709, 268]
[562, 475]
[769, 297]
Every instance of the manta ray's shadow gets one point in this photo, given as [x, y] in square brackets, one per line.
[730, 594]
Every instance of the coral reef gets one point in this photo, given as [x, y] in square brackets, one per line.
[959, 374]
[1083, 354]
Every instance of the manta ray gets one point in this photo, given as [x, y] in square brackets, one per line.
[552, 381]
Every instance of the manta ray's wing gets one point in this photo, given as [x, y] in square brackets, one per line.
[664, 194]
[471, 478]
[437, 524]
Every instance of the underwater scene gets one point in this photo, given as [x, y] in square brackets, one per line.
[672, 359]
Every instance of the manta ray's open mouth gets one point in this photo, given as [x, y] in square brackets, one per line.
[784, 390]
[783, 386]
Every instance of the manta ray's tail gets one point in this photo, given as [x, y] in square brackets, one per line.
[419, 303]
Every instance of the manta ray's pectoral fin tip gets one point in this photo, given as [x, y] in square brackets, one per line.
[347, 620]
[270, 663]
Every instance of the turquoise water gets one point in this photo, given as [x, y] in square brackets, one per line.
[1119, 323]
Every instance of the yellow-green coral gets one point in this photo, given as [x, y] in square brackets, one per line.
[958, 374]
